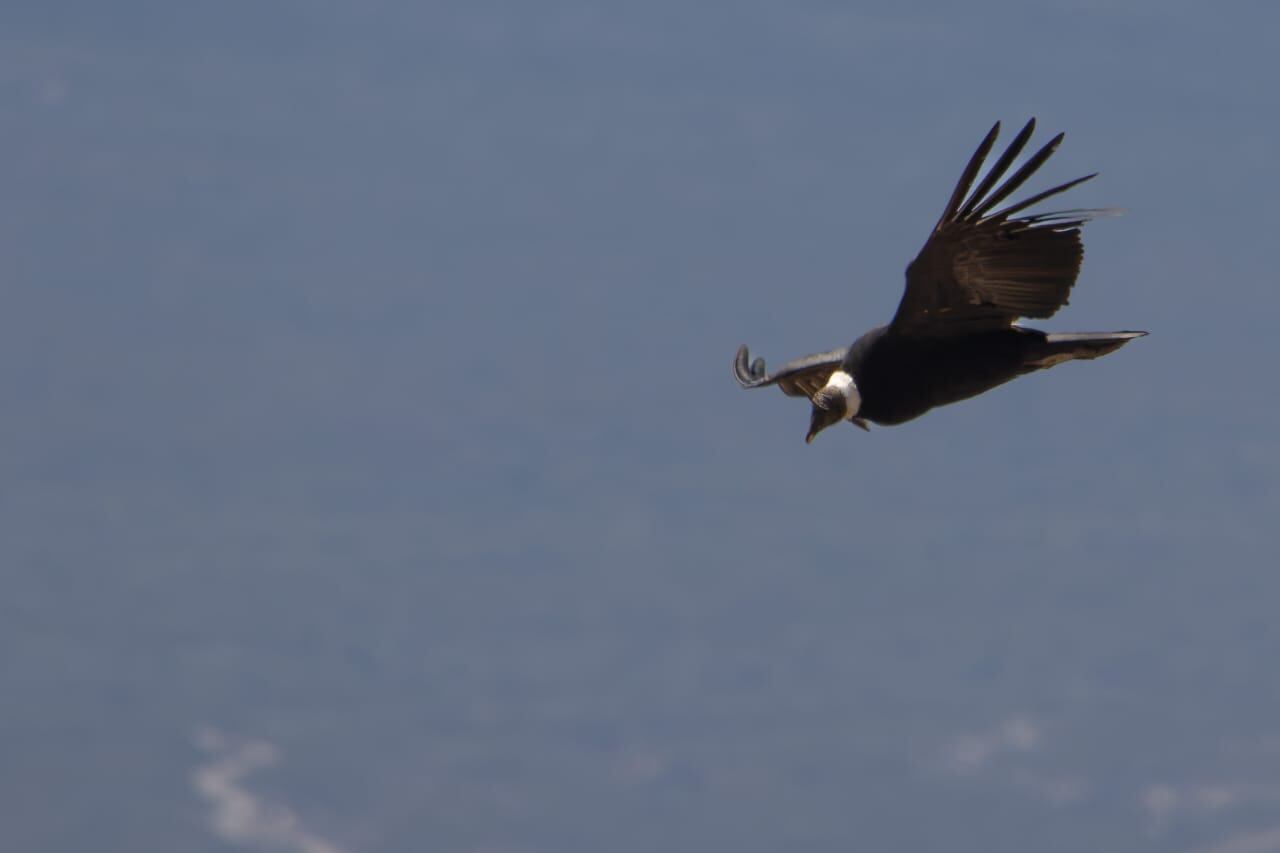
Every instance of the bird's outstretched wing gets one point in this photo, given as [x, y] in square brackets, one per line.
[803, 377]
[982, 268]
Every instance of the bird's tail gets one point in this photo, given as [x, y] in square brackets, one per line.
[1067, 346]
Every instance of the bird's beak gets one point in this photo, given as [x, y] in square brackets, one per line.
[819, 420]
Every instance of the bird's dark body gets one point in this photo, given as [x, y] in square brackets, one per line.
[956, 334]
[902, 377]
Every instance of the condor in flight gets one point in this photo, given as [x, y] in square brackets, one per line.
[955, 334]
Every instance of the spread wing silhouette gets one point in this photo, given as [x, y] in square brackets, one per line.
[983, 268]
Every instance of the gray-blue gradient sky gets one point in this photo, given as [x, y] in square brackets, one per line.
[372, 477]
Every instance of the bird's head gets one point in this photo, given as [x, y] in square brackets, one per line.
[834, 402]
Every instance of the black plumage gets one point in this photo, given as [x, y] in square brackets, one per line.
[954, 334]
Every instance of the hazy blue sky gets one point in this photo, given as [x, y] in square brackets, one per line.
[372, 477]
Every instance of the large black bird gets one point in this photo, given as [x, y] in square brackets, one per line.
[955, 334]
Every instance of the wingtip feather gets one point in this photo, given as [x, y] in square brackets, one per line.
[970, 172]
[997, 170]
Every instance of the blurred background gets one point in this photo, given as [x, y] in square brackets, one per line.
[372, 477]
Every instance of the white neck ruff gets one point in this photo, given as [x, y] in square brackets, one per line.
[848, 389]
